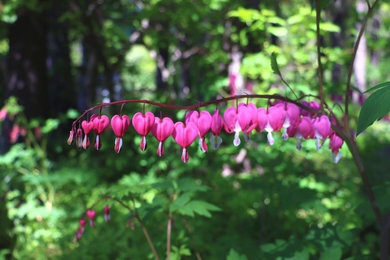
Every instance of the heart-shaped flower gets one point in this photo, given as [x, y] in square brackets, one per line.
[91, 215]
[87, 127]
[270, 120]
[119, 125]
[291, 114]
[100, 123]
[216, 127]
[184, 135]
[107, 216]
[161, 130]
[322, 130]
[143, 124]
[237, 120]
[82, 224]
[203, 121]
[335, 143]
[303, 130]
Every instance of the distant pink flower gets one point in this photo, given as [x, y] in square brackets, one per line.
[82, 224]
[14, 134]
[71, 137]
[91, 215]
[3, 113]
[78, 235]
[161, 130]
[119, 125]
[184, 135]
[143, 124]
[79, 138]
[107, 216]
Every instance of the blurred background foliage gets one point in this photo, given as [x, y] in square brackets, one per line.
[254, 201]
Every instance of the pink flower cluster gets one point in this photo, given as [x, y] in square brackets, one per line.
[245, 118]
[91, 214]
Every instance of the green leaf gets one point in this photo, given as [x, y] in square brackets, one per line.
[379, 86]
[374, 108]
[333, 253]
[187, 184]
[189, 208]
[274, 64]
[50, 125]
[233, 255]
[202, 208]
[277, 31]
[72, 113]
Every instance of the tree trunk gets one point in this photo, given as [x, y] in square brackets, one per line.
[26, 74]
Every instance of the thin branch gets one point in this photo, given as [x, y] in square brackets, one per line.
[355, 49]
[169, 229]
[318, 32]
[147, 236]
[358, 161]
[198, 257]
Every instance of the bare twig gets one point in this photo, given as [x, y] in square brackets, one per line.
[355, 49]
[198, 257]
[320, 88]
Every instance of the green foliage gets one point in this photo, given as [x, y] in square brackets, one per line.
[233, 255]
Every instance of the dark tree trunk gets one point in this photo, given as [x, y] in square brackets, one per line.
[62, 92]
[26, 74]
[26, 79]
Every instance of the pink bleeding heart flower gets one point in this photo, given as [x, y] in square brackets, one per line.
[71, 137]
[203, 121]
[78, 234]
[303, 130]
[161, 130]
[216, 128]
[82, 223]
[100, 123]
[91, 215]
[237, 120]
[143, 124]
[184, 135]
[322, 130]
[304, 112]
[314, 105]
[79, 138]
[270, 120]
[107, 216]
[252, 110]
[119, 125]
[335, 143]
[87, 127]
[292, 116]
